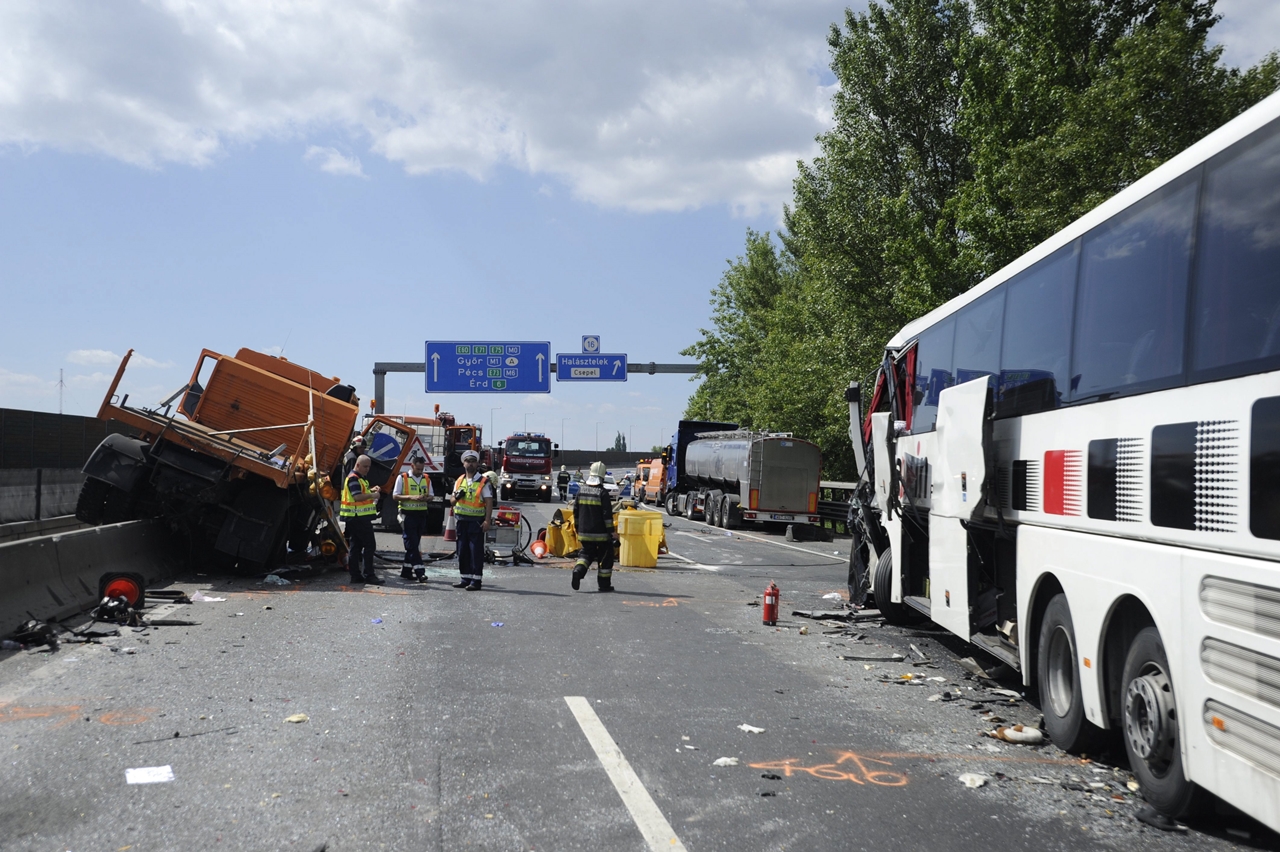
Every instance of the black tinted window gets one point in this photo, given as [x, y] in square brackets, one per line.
[933, 373]
[1132, 302]
[1035, 356]
[977, 351]
[1237, 315]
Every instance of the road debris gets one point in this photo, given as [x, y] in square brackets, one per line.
[1020, 734]
[873, 658]
[750, 729]
[949, 695]
[275, 580]
[297, 718]
[148, 775]
[973, 780]
[725, 761]
[770, 776]
[201, 597]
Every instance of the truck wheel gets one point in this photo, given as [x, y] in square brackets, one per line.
[1152, 738]
[732, 514]
[894, 613]
[671, 504]
[92, 501]
[711, 508]
[1058, 680]
[690, 504]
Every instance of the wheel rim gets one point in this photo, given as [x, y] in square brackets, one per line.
[1149, 725]
[1062, 671]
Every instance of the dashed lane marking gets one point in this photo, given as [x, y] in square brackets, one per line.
[657, 832]
[691, 562]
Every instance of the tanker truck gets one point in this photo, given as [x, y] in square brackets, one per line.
[729, 476]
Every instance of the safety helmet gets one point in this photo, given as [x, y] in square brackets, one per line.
[562, 467]
[596, 474]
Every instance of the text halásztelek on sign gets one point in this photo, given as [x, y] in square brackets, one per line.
[572, 367]
[460, 366]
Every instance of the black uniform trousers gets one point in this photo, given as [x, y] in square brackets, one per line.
[470, 549]
[360, 545]
[415, 524]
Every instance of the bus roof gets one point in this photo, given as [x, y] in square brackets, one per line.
[1242, 125]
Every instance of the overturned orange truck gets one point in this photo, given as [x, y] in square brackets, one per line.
[246, 466]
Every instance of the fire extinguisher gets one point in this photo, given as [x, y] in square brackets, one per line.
[770, 609]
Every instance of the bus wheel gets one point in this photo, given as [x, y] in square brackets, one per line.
[894, 613]
[1059, 682]
[1151, 733]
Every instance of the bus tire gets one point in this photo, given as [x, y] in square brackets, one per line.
[670, 504]
[894, 613]
[1152, 736]
[1058, 680]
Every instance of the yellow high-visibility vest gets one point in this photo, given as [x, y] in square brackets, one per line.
[410, 488]
[350, 508]
[472, 504]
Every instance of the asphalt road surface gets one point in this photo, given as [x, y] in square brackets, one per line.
[528, 716]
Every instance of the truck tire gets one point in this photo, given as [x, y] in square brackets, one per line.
[670, 503]
[91, 504]
[711, 513]
[691, 504]
[732, 513]
[1152, 737]
[1058, 680]
[894, 613]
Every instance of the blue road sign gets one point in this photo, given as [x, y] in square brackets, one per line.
[572, 367]
[457, 366]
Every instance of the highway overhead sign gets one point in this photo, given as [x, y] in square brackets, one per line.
[601, 367]
[457, 366]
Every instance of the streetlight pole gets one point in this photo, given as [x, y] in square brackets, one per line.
[562, 419]
[598, 422]
[526, 420]
[630, 432]
[492, 436]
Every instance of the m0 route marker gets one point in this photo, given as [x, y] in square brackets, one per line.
[475, 366]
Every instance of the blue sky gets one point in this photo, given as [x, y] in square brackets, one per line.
[345, 181]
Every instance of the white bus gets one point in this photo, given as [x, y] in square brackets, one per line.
[1076, 466]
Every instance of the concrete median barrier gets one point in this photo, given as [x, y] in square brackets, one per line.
[55, 576]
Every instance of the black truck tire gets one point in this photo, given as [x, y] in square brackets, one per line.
[91, 505]
[669, 503]
[1058, 680]
[894, 613]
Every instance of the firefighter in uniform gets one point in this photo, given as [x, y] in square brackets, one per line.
[359, 505]
[473, 509]
[593, 522]
[412, 494]
[562, 482]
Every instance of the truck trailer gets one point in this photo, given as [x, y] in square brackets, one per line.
[730, 476]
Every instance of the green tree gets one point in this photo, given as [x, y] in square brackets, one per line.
[619, 442]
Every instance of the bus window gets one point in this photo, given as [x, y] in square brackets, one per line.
[1132, 298]
[1237, 313]
[978, 338]
[932, 373]
[1037, 335]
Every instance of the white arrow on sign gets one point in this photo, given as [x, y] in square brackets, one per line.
[541, 358]
[435, 366]
[616, 365]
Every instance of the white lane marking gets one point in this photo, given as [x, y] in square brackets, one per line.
[790, 546]
[652, 824]
[694, 564]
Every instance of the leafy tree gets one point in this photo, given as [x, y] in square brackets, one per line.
[963, 134]
[619, 442]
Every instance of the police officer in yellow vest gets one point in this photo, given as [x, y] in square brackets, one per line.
[412, 494]
[473, 509]
[359, 505]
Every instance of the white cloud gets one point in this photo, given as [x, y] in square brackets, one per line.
[1248, 31]
[331, 160]
[660, 105]
[11, 382]
[91, 357]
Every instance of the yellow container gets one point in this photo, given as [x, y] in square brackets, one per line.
[641, 533]
[561, 536]
[555, 541]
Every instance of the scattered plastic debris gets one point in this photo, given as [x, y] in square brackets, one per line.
[1019, 734]
[973, 780]
[770, 776]
[148, 775]
[769, 794]
[376, 621]
[725, 761]
[275, 580]
[874, 658]
[297, 718]
[949, 695]
[496, 623]
[1006, 693]
[1134, 786]
[692, 747]
[831, 596]
[750, 729]
[804, 631]
[201, 597]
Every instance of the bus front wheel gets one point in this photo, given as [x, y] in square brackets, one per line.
[894, 613]
[1059, 682]
[1152, 737]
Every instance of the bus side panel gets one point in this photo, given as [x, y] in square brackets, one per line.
[1095, 572]
[949, 575]
[1230, 775]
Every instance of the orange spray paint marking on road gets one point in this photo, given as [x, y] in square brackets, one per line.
[666, 602]
[849, 766]
[65, 714]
